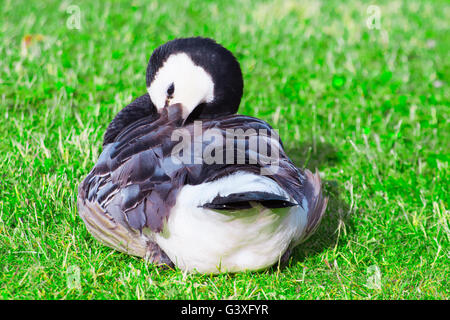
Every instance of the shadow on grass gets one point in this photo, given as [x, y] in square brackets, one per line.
[337, 215]
[313, 155]
[335, 222]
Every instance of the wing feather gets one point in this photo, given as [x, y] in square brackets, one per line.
[135, 183]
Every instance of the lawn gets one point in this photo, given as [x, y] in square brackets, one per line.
[359, 92]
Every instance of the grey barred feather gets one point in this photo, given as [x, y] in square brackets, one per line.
[135, 183]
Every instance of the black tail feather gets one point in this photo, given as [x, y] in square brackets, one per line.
[246, 200]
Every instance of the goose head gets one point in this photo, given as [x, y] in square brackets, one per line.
[197, 73]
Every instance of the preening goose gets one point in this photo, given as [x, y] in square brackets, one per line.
[184, 186]
[200, 74]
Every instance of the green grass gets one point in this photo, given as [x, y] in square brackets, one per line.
[368, 107]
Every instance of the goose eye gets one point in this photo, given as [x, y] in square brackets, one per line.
[171, 89]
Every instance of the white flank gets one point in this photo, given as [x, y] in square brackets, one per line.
[208, 241]
[192, 84]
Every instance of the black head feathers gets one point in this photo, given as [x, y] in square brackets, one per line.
[217, 61]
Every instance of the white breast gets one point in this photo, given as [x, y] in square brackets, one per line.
[207, 241]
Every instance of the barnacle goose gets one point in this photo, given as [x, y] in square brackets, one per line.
[204, 204]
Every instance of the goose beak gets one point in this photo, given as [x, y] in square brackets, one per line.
[191, 115]
[181, 112]
[175, 111]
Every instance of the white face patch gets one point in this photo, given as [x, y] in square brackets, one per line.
[192, 84]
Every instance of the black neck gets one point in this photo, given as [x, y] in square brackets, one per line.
[139, 108]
